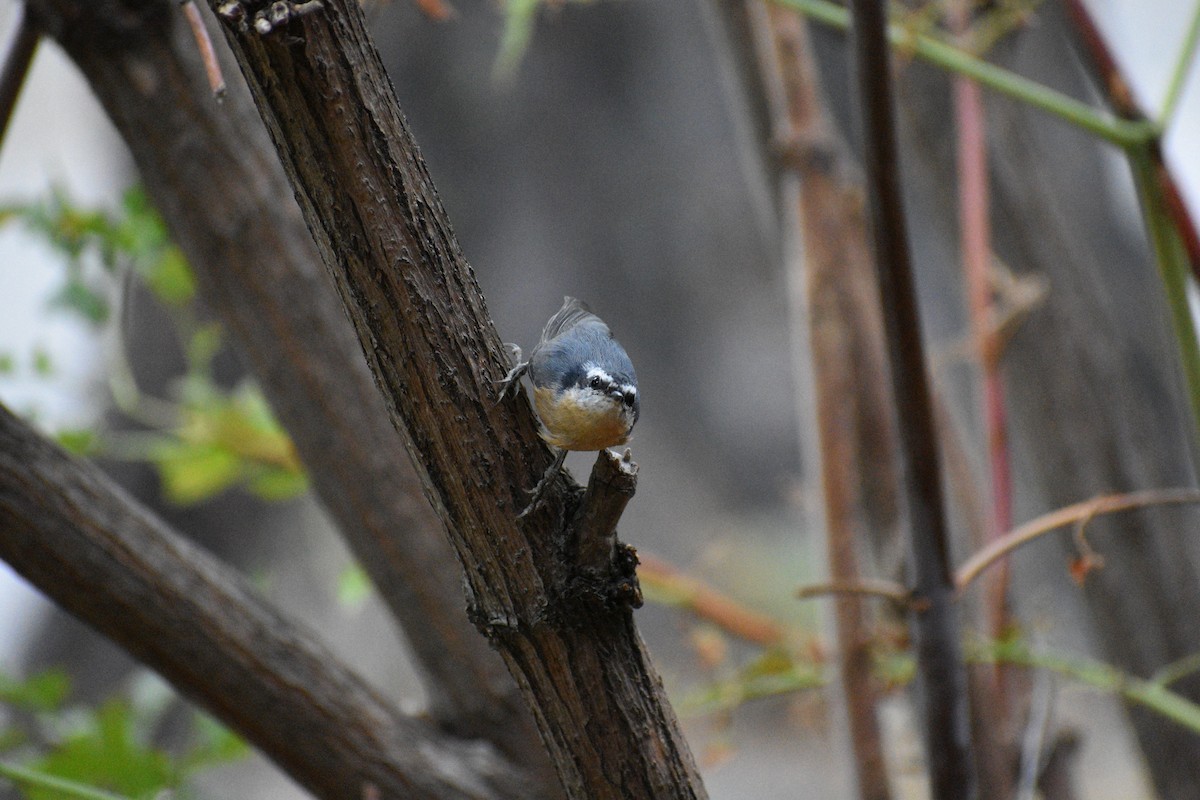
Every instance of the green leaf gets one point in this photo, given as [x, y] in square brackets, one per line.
[215, 744]
[170, 278]
[246, 426]
[195, 471]
[109, 756]
[275, 484]
[727, 695]
[774, 661]
[43, 365]
[77, 296]
[519, 19]
[80, 441]
[8, 364]
[353, 586]
[894, 667]
[139, 233]
[58, 787]
[44, 691]
[203, 345]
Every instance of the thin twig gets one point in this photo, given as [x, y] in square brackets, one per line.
[831, 296]
[1121, 98]
[676, 588]
[212, 67]
[1183, 67]
[16, 67]
[1037, 729]
[1168, 247]
[870, 587]
[992, 703]
[53, 784]
[974, 222]
[941, 675]
[1106, 504]
[1119, 132]
[1101, 676]
[1177, 670]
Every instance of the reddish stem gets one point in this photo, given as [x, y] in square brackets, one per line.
[1123, 101]
[976, 246]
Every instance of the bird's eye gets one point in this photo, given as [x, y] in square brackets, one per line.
[629, 398]
[595, 382]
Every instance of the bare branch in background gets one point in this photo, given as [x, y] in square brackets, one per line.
[940, 671]
[17, 61]
[74, 535]
[212, 68]
[832, 290]
[1117, 89]
[1080, 512]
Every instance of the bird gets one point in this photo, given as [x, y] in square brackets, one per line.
[585, 390]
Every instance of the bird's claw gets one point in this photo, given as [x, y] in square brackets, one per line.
[538, 492]
[513, 378]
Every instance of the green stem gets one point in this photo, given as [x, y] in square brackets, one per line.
[519, 19]
[1183, 67]
[28, 777]
[1177, 670]
[1173, 267]
[1123, 133]
[1151, 694]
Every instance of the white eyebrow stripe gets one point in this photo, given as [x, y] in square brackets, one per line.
[597, 372]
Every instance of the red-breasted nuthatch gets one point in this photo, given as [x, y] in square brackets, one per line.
[584, 388]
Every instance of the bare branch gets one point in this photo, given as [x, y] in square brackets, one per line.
[941, 676]
[212, 68]
[594, 530]
[685, 591]
[16, 66]
[831, 289]
[1119, 93]
[73, 534]
[864, 586]
[1106, 504]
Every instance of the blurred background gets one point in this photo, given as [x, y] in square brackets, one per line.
[618, 163]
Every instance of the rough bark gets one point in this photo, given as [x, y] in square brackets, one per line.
[213, 174]
[75, 535]
[431, 345]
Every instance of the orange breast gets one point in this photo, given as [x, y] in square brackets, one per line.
[572, 426]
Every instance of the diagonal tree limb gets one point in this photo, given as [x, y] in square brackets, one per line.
[15, 67]
[213, 174]
[422, 321]
[68, 530]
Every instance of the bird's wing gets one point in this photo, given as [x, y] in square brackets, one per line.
[571, 314]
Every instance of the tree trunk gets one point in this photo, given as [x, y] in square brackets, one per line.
[567, 637]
